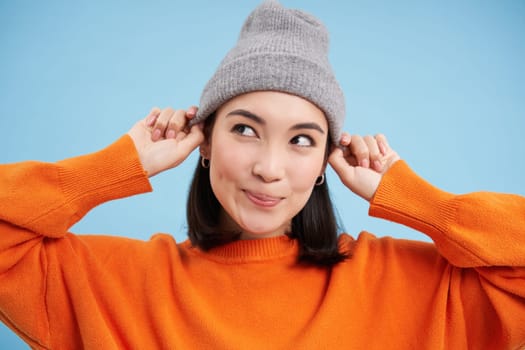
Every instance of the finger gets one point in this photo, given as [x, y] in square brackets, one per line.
[191, 112]
[152, 116]
[383, 145]
[176, 124]
[344, 143]
[374, 153]
[345, 139]
[359, 150]
[159, 129]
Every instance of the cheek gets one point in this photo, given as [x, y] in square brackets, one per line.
[304, 173]
[229, 163]
[302, 182]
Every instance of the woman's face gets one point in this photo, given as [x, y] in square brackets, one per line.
[266, 151]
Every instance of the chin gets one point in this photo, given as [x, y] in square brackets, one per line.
[261, 227]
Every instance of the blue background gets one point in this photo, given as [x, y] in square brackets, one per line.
[444, 80]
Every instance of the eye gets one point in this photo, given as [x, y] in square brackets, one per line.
[244, 130]
[302, 141]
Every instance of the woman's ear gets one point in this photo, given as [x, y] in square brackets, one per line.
[323, 173]
[323, 169]
[204, 149]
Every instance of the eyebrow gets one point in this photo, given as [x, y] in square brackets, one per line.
[257, 119]
[247, 114]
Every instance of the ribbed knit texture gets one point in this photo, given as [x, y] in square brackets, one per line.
[63, 291]
[278, 49]
[253, 250]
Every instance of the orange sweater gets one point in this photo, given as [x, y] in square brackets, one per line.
[62, 291]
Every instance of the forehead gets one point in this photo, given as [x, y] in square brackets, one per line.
[274, 106]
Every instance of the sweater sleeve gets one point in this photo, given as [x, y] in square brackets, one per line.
[471, 230]
[49, 198]
[39, 202]
[481, 236]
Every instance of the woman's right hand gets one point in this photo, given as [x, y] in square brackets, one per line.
[163, 139]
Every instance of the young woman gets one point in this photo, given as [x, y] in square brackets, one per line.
[264, 266]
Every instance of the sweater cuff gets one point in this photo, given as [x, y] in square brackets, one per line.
[112, 173]
[405, 198]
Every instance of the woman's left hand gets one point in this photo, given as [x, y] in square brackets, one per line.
[360, 162]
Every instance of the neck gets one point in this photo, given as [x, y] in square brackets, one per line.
[227, 224]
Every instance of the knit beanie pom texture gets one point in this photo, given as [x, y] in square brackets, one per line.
[278, 49]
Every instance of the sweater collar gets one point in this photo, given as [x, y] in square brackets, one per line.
[255, 249]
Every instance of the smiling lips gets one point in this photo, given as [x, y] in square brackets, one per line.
[263, 200]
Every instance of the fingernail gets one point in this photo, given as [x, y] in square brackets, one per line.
[382, 147]
[156, 135]
[365, 163]
[378, 165]
[150, 120]
[170, 134]
[192, 111]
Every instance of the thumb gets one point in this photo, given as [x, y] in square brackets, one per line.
[192, 140]
[340, 165]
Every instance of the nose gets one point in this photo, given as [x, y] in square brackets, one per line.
[269, 165]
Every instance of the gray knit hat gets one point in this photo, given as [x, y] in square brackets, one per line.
[278, 49]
